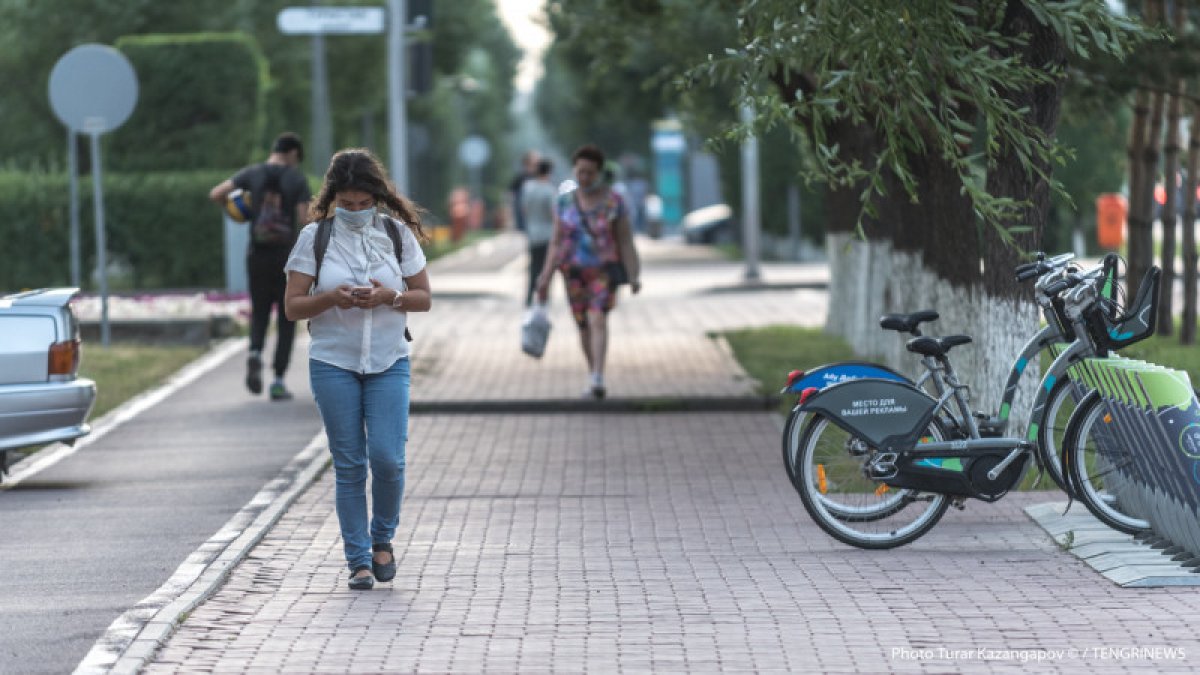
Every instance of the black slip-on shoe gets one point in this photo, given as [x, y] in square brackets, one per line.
[363, 583]
[384, 571]
[254, 375]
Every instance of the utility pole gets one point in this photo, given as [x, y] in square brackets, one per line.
[322, 124]
[751, 215]
[397, 99]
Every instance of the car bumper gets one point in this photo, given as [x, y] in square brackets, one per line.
[35, 414]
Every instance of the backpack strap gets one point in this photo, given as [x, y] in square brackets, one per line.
[393, 233]
[320, 245]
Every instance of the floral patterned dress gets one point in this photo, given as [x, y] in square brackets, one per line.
[586, 245]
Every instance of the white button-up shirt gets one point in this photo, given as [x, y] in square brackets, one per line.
[360, 340]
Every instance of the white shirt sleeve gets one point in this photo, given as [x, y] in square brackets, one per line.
[414, 257]
[302, 259]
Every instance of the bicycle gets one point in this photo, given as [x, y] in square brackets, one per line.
[1045, 271]
[867, 438]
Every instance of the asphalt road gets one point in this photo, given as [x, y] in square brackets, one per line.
[86, 539]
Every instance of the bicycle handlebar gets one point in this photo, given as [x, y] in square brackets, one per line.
[1033, 270]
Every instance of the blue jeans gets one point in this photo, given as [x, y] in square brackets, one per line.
[366, 420]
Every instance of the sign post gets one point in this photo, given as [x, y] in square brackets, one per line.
[474, 152]
[93, 90]
[319, 21]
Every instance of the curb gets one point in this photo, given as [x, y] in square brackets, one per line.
[611, 405]
[55, 452]
[763, 286]
[134, 637]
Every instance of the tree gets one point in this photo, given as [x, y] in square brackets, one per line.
[33, 35]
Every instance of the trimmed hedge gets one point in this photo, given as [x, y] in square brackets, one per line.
[201, 103]
[161, 225]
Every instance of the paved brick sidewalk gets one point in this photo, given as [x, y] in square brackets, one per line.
[469, 347]
[649, 543]
[662, 543]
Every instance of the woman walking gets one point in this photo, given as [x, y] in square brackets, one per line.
[590, 245]
[355, 273]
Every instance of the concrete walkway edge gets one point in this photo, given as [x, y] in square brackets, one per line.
[133, 638]
[56, 452]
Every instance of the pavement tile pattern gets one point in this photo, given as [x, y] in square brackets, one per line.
[654, 542]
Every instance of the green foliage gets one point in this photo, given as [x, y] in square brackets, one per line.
[190, 116]
[33, 35]
[124, 371]
[926, 76]
[769, 354]
[160, 224]
[610, 69]
[1096, 163]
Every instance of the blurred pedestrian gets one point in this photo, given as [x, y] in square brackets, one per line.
[591, 238]
[278, 201]
[538, 197]
[529, 163]
[356, 290]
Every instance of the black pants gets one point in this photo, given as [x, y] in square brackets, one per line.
[537, 259]
[264, 268]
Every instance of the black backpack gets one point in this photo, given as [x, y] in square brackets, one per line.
[272, 224]
[321, 244]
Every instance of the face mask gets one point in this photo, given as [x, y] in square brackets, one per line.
[356, 220]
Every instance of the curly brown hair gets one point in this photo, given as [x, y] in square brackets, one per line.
[358, 169]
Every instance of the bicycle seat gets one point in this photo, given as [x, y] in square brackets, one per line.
[932, 346]
[907, 323]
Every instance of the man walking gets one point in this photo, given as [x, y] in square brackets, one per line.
[537, 203]
[279, 197]
[528, 166]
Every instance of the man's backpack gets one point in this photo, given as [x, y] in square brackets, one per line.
[321, 244]
[272, 224]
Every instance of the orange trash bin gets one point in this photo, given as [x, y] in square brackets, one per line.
[1111, 209]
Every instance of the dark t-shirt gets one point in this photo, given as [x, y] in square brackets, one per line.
[293, 188]
[514, 188]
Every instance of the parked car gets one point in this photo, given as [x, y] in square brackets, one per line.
[710, 225]
[42, 399]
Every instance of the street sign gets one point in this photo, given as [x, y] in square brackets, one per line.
[331, 20]
[474, 151]
[93, 89]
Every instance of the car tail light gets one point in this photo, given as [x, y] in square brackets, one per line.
[64, 359]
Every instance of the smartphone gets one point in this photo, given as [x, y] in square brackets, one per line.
[361, 290]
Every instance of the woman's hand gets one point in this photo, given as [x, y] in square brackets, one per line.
[343, 296]
[377, 295]
[542, 289]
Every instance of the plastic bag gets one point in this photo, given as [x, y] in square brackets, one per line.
[535, 330]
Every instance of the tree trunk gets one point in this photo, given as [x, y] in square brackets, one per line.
[1166, 312]
[1141, 238]
[1187, 332]
[1137, 141]
[1010, 315]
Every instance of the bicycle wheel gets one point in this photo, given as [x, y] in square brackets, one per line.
[1052, 428]
[792, 433]
[851, 507]
[1098, 466]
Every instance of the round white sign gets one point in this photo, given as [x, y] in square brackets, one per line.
[474, 151]
[93, 89]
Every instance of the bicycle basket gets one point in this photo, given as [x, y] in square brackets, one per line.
[1114, 327]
